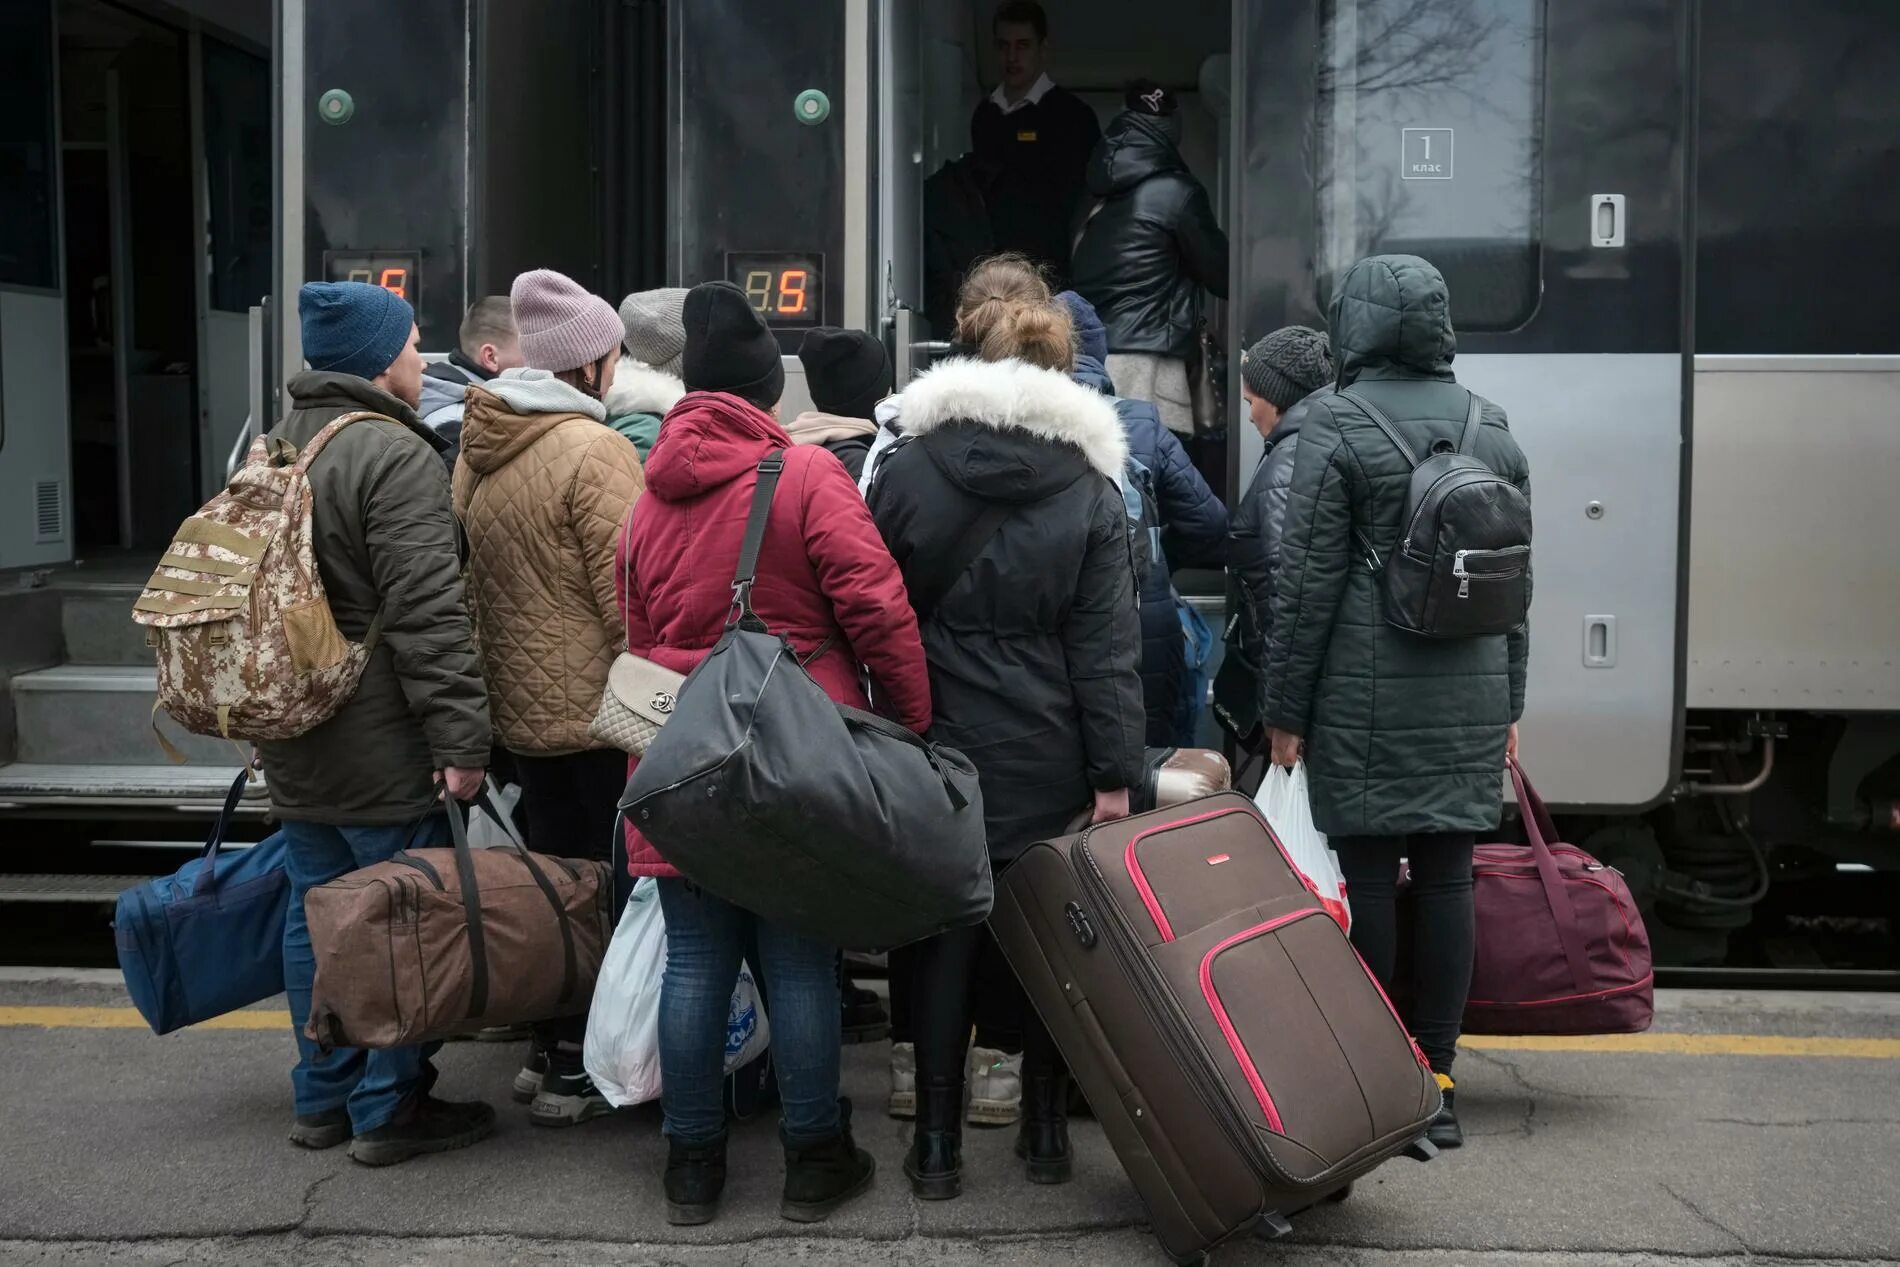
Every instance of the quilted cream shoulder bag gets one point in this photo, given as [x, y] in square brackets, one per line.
[640, 694]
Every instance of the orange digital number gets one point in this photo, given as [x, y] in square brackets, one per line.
[396, 281]
[791, 292]
[758, 289]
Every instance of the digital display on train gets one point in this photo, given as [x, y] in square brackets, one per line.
[787, 288]
[397, 271]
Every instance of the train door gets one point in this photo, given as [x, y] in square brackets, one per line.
[1501, 140]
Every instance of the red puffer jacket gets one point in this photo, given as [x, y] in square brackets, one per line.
[823, 570]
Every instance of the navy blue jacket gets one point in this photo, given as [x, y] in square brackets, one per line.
[1193, 528]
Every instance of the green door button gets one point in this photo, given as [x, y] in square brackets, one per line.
[811, 107]
[336, 106]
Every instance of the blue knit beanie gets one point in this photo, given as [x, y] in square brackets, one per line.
[353, 327]
[1091, 336]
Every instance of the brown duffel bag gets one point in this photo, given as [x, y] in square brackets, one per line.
[436, 942]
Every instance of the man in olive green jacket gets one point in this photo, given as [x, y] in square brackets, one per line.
[365, 784]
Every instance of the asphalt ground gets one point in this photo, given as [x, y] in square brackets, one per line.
[1746, 1126]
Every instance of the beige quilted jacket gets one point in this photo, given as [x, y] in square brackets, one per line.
[542, 487]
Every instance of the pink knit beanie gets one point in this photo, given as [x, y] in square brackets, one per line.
[561, 325]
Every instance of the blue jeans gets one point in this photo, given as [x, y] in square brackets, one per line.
[705, 941]
[372, 1083]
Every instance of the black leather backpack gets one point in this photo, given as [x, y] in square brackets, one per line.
[1462, 565]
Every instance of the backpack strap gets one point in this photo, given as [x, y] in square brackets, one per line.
[1474, 418]
[1384, 424]
[771, 466]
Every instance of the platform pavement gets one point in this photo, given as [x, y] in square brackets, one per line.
[120, 1148]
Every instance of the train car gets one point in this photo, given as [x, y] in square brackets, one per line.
[1664, 225]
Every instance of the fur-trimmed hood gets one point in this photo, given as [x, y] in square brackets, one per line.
[1016, 396]
[640, 389]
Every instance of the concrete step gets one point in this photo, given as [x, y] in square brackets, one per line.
[97, 620]
[186, 788]
[92, 714]
[66, 888]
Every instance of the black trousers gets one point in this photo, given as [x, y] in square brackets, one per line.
[570, 802]
[936, 1004]
[997, 1002]
[1436, 959]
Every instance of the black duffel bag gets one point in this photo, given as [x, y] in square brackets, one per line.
[821, 818]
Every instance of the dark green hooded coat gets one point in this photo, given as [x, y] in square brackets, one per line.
[1403, 734]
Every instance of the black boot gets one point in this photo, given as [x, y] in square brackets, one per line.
[823, 1176]
[695, 1176]
[1444, 1130]
[1043, 1138]
[863, 1018]
[935, 1163]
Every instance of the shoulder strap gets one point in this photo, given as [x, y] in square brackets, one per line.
[1474, 418]
[1384, 423]
[771, 466]
[930, 590]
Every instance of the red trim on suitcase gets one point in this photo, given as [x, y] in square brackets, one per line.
[1140, 878]
[1221, 1018]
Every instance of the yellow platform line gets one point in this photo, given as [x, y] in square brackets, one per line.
[1803, 1046]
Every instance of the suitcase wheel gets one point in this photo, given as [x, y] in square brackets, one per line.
[1420, 1149]
[1334, 1198]
[1196, 1259]
[1272, 1226]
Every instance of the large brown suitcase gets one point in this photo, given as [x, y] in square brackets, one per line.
[436, 942]
[1240, 1057]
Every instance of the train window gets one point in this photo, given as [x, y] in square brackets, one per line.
[237, 174]
[27, 201]
[1428, 141]
[1797, 224]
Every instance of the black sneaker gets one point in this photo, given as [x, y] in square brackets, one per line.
[318, 1131]
[568, 1099]
[425, 1125]
[1445, 1131]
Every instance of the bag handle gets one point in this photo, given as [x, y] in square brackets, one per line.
[1540, 830]
[771, 466]
[620, 566]
[472, 902]
[892, 730]
[205, 883]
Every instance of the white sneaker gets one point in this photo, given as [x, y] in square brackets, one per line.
[903, 1102]
[996, 1087]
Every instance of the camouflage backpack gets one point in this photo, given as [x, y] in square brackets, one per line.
[247, 646]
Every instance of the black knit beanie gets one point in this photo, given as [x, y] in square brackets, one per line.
[1288, 365]
[846, 371]
[728, 346]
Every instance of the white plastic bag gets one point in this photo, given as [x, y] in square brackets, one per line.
[622, 1047]
[1284, 799]
[483, 831]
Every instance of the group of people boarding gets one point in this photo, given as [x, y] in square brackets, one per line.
[601, 467]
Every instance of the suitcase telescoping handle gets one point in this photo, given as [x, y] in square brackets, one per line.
[206, 881]
[1540, 829]
[472, 902]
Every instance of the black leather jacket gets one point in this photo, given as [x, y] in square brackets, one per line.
[1145, 257]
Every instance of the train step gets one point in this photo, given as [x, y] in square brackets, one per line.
[96, 620]
[188, 788]
[96, 714]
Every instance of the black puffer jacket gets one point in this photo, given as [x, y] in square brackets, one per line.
[1153, 247]
[1403, 734]
[1253, 539]
[1033, 650]
[1191, 523]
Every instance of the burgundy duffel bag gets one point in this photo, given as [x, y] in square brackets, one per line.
[1561, 945]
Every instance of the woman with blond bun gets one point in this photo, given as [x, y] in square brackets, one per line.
[1001, 507]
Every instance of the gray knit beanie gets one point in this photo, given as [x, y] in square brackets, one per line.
[561, 326]
[655, 327]
[1291, 363]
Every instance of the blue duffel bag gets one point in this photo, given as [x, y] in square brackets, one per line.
[208, 939]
